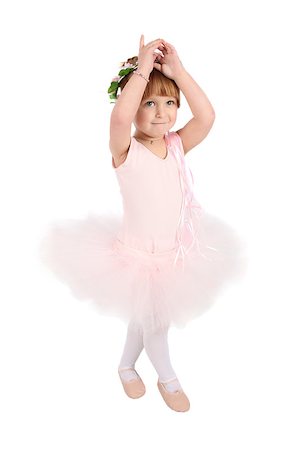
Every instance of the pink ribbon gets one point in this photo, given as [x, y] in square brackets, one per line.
[189, 207]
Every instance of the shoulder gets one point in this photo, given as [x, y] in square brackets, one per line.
[175, 139]
[195, 131]
[123, 161]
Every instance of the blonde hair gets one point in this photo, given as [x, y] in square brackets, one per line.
[158, 84]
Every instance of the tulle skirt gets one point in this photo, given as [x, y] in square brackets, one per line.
[144, 288]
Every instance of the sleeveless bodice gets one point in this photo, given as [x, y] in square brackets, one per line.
[152, 198]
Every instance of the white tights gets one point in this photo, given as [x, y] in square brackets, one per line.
[157, 350]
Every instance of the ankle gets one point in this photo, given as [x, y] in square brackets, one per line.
[127, 373]
[171, 384]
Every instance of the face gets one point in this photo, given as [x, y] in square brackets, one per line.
[156, 115]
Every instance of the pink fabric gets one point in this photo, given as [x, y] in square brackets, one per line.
[159, 218]
[185, 228]
[151, 192]
[163, 262]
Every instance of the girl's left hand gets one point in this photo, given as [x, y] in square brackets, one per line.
[168, 63]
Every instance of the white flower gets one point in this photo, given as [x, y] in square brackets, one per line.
[127, 65]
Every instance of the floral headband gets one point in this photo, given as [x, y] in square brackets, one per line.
[125, 69]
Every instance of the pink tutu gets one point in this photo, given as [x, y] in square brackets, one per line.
[135, 285]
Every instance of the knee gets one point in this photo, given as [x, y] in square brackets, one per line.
[154, 334]
[135, 327]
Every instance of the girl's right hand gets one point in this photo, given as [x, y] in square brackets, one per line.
[147, 56]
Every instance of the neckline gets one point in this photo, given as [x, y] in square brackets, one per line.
[156, 156]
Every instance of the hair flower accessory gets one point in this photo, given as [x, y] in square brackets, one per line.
[125, 68]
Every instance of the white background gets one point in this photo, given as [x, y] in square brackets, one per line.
[239, 362]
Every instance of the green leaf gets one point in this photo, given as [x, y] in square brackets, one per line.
[124, 72]
[113, 86]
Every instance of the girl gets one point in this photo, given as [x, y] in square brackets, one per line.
[164, 262]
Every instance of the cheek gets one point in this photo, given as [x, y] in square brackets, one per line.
[142, 116]
[174, 115]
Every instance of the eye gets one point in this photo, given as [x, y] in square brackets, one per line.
[149, 103]
[170, 102]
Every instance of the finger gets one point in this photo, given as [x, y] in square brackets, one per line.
[170, 46]
[142, 41]
[158, 58]
[158, 52]
[157, 66]
[153, 43]
[162, 49]
[167, 45]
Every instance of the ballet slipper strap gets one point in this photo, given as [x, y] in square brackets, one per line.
[126, 368]
[168, 381]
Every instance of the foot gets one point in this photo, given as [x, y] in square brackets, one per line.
[132, 382]
[128, 373]
[172, 385]
[176, 400]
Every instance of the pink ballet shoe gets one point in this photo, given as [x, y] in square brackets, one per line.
[177, 401]
[134, 388]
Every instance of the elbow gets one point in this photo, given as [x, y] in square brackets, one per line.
[212, 115]
[208, 117]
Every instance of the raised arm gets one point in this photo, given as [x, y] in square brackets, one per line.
[129, 101]
[203, 113]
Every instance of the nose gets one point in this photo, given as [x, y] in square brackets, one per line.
[159, 111]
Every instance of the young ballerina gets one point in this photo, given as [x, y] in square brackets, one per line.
[163, 263]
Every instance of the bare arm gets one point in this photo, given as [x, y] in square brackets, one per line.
[123, 114]
[129, 101]
[203, 113]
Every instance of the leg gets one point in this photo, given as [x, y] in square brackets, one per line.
[157, 349]
[132, 350]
